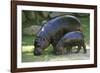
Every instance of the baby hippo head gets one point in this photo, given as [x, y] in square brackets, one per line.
[40, 44]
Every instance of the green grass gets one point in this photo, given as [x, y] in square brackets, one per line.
[86, 28]
[27, 46]
[28, 39]
[49, 56]
[29, 56]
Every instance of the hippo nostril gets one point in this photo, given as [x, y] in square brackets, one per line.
[37, 53]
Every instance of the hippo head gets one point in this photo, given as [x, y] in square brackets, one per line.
[40, 44]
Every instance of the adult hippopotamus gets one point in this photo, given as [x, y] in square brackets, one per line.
[53, 30]
[69, 40]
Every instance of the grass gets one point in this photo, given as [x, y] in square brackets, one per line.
[27, 40]
[85, 27]
[28, 56]
[27, 47]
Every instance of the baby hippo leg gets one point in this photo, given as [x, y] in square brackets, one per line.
[69, 49]
[79, 48]
[84, 48]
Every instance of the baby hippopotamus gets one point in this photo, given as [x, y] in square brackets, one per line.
[52, 31]
[69, 40]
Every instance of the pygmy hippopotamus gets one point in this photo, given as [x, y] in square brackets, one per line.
[53, 30]
[69, 40]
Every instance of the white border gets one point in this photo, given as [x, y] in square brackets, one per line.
[41, 64]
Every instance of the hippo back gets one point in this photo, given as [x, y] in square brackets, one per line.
[73, 35]
[59, 26]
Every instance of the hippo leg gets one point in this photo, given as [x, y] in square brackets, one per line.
[54, 47]
[54, 44]
[69, 48]
[84, 47]
[79, 48]
[60, 51]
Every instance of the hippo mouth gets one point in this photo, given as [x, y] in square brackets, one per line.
[37, 52]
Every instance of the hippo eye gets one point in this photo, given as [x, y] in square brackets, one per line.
[43, 39]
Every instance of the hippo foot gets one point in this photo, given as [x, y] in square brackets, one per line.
[59, 53]
[76, 52]
[84, 52]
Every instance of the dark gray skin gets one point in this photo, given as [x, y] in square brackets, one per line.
[53, 30]
[69, 40]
